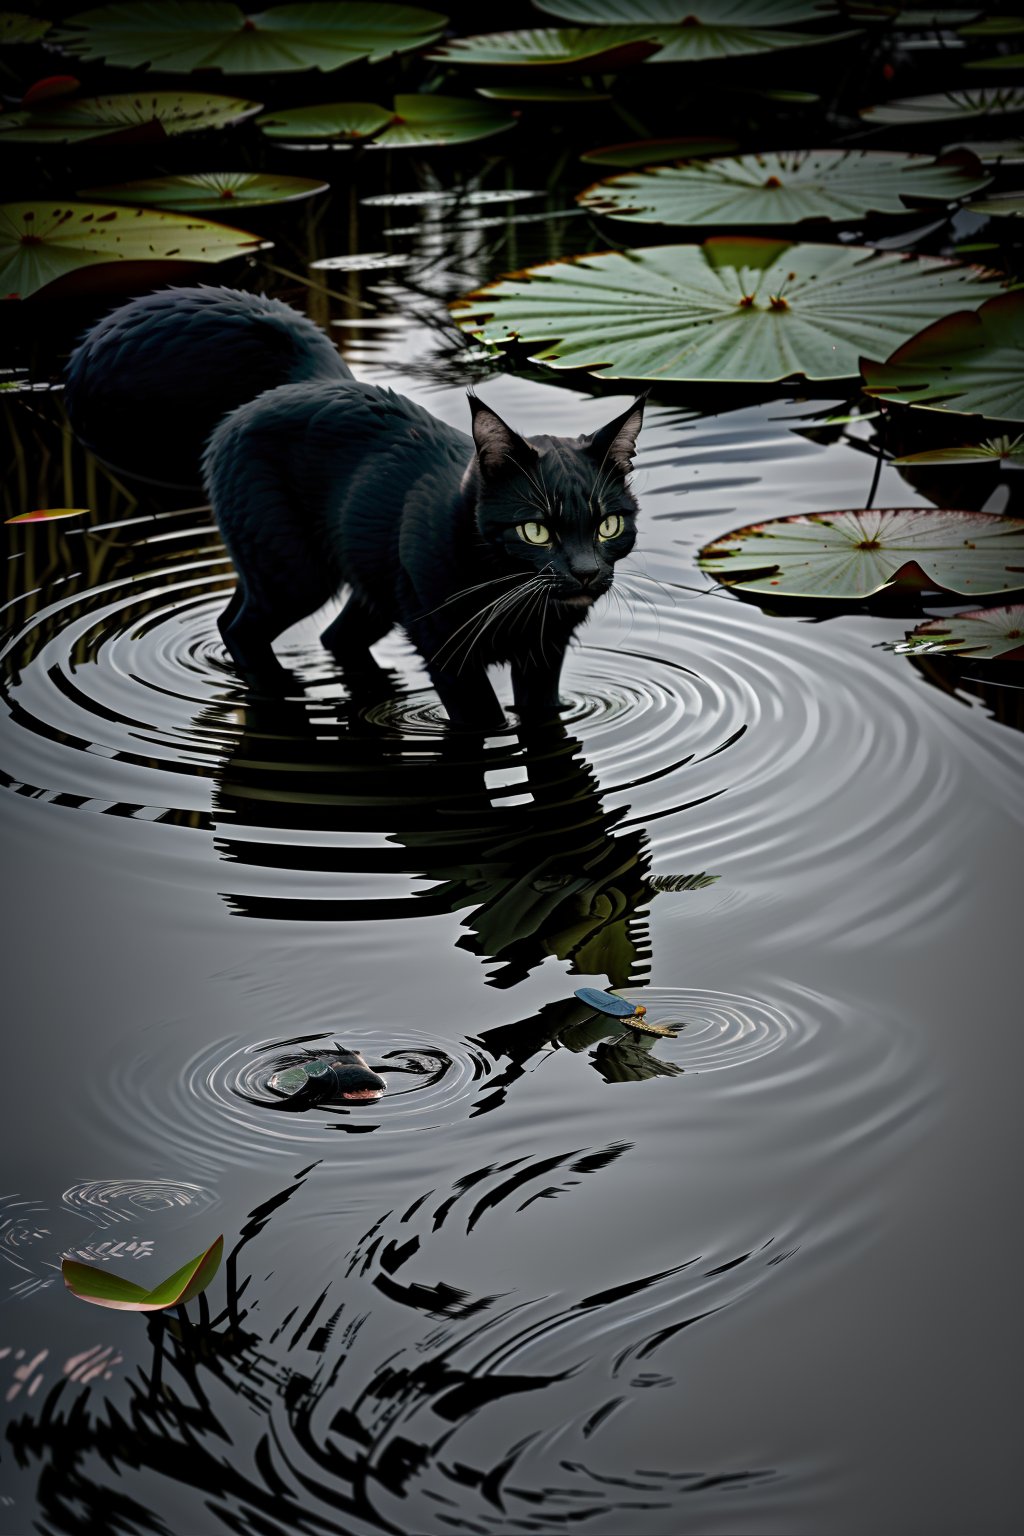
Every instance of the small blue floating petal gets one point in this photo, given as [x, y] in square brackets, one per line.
[605, 1002]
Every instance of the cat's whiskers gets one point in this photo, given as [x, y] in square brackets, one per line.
[481, 619]
[503, 610]
[466, 591]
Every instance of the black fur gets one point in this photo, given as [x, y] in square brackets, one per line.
[330, 483]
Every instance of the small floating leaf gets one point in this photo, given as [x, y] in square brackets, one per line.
[40, 242]
[651, 151]
[413, 122]
[1006, 450]
[735, 309]
[941, 107]
[125, 119]
[90, 1283]
[209, 189]
[972, 362]
[984, 634]
[781, 188]
[846, 556]
[48, 515]
[177, 36]
[17, 28]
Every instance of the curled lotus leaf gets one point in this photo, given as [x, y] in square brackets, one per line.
[850, 555]
[414, 122]
[126, 119]
[984, 634]
[781, 188]
[733, 309]
[178, 36]
[944, 105]
[41, 242]
[998, 450]
[203, 190]
[971, 362]
[91, 1283]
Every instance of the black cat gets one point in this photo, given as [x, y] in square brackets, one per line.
[485, 550]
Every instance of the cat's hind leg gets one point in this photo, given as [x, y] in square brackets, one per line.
[350, 636]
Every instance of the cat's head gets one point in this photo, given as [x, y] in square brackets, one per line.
[559, 507]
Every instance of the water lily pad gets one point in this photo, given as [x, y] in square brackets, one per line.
[972, 362]
[209, 189]
[40, 242]
[177, 36]
[999, 61]
[48, 515]
[652, 151]
[1008, 205]
[990, 102]
[1004, 450]
[854, 554]
[692, 13]
[994, 26]
[129, 118]
[552, 92]
[18, 28]
[414, 122]
[992, 151]
[984, 634]
[599, 48]
[781, 188]
[91, 1283]
[739, 310]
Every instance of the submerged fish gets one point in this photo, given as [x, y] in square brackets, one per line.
[340, 1077]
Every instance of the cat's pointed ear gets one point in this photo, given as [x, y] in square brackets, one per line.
[499, 450]
[613, 446]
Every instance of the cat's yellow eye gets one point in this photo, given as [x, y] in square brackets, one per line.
[534, 533]
[611, 526]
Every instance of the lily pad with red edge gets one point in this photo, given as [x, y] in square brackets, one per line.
[984, 634]
[995, 450]
[971, 363]
[639, 152]
[203, 190]
[850, 555]
[736, 310]
[52, 88]
[41, 242]
[48, 515]
[414, 122]
[178, 36]
[135, 117]
[99, 1286]
[945, 106]
[782, 187]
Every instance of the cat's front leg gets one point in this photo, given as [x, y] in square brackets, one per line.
[469, 700]
[535, 686]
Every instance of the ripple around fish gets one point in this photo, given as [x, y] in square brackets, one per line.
[220, 1109]
[717, 1030]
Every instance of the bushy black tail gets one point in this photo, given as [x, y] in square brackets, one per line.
[149, 383]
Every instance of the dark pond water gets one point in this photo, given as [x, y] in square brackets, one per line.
[762, 1277]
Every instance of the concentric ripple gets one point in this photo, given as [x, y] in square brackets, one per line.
[718, 1031]
[105, 1202]
[220, 1108]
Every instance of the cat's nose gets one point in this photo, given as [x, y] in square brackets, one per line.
[587, 575]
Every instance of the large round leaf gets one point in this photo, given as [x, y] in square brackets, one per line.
[854, 554]
[650, 151]
[985, 634]
[995, 101]
[598, 48]
[994, 450]
[40, 242]
[183, 35]
[702, 13]
[156, 115]
[209, 189]
[413, 122]
[972, 362]
[780, 188]
[742, 310]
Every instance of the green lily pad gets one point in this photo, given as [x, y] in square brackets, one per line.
[705, 29]
[527, 92]
[993, 101]
[854, 554]
[998, 61]
[40, 242]
[992, 151]
[598, 48]
[1003, 450]
[414, 122]
[178, 36]
[209, 189]
[780, 188]
[994, 26]
[971, 362]
[91, 1283]
[1007, 205]
[732, 309]
[985, 634]
[18, 28]
[651, 151]
[129, 118]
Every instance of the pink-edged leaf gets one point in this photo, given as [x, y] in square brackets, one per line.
[90, 1283]
[48, 514]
